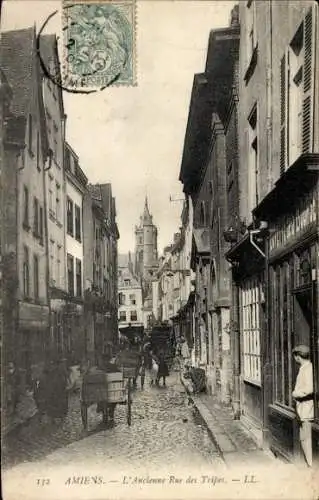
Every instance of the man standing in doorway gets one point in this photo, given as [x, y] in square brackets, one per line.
[303, 395]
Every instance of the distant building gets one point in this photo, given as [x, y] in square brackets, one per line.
[76, 183]
[24, 249]
[100, 269]
[130, 297]
[146, 260]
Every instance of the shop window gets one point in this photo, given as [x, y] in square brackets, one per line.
[251, 330]
[122, 316]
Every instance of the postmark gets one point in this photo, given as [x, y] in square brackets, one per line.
[99, 43]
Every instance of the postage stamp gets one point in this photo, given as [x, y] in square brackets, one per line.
[99, 43]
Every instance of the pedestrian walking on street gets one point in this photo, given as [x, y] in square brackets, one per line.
[303, 396]
[154, 369]
[142, 372]
[162, 369]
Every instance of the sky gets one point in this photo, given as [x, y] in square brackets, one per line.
[133, 136]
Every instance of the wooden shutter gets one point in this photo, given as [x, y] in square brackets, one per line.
[283, 112]
[308, 82]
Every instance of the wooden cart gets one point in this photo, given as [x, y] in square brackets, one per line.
[105, 388]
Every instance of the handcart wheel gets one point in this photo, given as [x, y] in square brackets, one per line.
[129, 403]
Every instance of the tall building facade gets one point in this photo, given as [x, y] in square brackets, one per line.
[275, 260]
[26, 157]
[55, 193]
[100, 267]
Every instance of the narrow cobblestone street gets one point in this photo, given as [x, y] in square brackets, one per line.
[164, 430]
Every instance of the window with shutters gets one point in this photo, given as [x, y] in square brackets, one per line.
[78, 266]
[296, 94]
[69, 216]
[70, 265]
[36, 276]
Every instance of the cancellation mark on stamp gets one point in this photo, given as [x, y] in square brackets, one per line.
[99, 43]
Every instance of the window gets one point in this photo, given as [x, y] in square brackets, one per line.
[77, 222]
[26, 272]
[51, 210]
[58, 202]
[122, 316]
[38, 151]
[296, 94]
[250, 296]
[78, 267]
[36, 276]
[121, 299]
[250, 29]
[70, 265]
[67, 160]
[30, 134]
[26, 207]
[127, 282]
[58, 265]
[52, 268]
[133, 316]
[36, 217]
[69, 216]
[253, 167]
[132, 299]
[41, 224]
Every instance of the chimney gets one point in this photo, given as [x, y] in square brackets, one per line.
[234, 16]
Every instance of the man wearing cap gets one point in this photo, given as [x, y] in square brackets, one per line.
[303, 395]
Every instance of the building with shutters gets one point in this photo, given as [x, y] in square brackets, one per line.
[275, 259]
[75, 185]
[24, 249]
[100, 234]
[130, 297]
[204, 176]
[55, 192]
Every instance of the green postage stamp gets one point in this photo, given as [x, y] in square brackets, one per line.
[99, 43]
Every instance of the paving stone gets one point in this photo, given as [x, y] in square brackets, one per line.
[163, 430]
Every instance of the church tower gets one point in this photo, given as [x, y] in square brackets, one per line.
[146, 246]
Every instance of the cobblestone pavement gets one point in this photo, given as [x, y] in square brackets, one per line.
[163, 430]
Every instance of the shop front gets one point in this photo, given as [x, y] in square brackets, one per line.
[293, 293]
[247, 331]
[33, 339]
